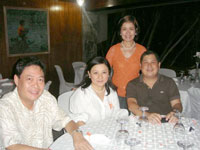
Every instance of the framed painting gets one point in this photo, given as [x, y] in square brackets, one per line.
[26, 31]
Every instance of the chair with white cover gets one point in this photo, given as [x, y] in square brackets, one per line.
[193, 72]
[64, 86]
[167, 72]
[47, 85]
[194, 95]
[63, 101]
[79, 68]
[1, 76]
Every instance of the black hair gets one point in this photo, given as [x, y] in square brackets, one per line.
[95, 61]
[149, 52]
[132, 19]
[22, 63]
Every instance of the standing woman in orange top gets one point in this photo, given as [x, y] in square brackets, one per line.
[124, 57]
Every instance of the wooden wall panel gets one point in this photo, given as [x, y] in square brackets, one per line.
[65, 38]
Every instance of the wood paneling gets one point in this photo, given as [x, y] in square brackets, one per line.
[65, 38]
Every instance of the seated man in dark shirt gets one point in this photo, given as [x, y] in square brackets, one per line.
[153, 90]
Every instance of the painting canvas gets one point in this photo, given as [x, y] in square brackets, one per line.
[27, 31]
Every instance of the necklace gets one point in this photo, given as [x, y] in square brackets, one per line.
[128, 48]
[98, 91]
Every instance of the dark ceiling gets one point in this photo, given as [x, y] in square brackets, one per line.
[95, 5]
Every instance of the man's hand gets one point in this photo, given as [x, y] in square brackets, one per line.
[154, 118]
[80, 143]
[171, 118]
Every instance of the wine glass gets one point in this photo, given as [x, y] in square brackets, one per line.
[122, 134]
[179, 127]
[132, 142]
[143, 118]
[179, 131]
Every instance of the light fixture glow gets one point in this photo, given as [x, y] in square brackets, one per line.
[80, 2]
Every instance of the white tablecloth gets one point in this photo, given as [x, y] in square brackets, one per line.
[152, 137]
[189, 99]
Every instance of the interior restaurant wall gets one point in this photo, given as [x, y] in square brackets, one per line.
[65, 31]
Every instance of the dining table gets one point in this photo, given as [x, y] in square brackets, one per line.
[6, 85]
[102, 135]
[190, 97]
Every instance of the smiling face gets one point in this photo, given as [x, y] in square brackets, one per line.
[30, 84]
[150, 66]
[127, 31]
[99, 75]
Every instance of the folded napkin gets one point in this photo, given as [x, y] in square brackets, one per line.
[4, 80]
[7, 84]
[97, 139]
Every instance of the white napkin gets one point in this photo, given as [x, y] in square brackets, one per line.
[7, 84]
[4, 80]
[97, 139]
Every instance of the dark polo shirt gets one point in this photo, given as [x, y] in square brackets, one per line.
[156, 99]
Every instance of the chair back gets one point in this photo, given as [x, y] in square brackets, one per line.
[194, 95]
[1, 76]
[167, 72]
[78, 64]
[60, 73]
[47, 85]
[193, 72]
[63, 101]
[79, 68]
[64, 86]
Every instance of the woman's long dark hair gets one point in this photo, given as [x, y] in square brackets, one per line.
[87, 81]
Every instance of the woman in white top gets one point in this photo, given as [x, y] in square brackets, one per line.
[95, 100]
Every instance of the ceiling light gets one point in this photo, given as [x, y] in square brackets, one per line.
[80, 2]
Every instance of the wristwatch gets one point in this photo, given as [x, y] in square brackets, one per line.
[76, 130]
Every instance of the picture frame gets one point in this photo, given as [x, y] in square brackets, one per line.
[26, 31]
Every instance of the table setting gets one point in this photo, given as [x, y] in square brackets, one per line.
[130, 133]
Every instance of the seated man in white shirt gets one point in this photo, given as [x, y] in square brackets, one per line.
[28, 114]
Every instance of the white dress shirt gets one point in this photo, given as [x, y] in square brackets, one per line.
[19, 125]
[86, 106]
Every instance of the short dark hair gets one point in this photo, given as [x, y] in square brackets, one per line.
[129, 18]
[149, 52]
[91, 63]
[22, 63]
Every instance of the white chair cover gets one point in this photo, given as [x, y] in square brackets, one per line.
[1, 76]
[195, 102]
[167, 72]
[63, 101]
[193, 72]
[47, 85]
[64, 86]
[79, 68]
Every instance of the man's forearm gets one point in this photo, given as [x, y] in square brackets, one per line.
[178, 107]
[71, 126]
[134, 108]
[23, 147]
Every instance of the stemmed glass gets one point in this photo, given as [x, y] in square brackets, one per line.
[180, 133]
[132, 142]
[122, 134]
[143, 118]
[179, 127]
